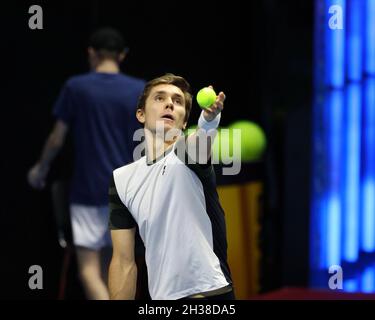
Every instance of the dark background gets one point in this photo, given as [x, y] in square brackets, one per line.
[259, 53]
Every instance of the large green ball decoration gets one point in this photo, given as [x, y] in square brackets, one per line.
[225, 144]
[190, 130]
[252, 140]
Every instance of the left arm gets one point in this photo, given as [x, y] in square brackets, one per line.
[55, 141]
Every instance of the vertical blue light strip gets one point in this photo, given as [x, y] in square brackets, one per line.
[335, 106]
[368, 220]
[352, 173]
[354, 40]
[368, 171]
[370, 37]
[368, 280]
[335, 49]
[333, 217]
[335, 72]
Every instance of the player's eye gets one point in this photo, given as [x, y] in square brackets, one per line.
[159, 98]
[178, 101]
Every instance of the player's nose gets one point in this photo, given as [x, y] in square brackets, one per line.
[169, 104]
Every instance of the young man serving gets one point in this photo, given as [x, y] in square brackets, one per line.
[171, 196]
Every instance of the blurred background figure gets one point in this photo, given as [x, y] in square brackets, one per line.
[98, 107]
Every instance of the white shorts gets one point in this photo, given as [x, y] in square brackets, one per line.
[90, 226]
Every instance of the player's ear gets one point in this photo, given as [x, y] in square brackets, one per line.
[140, 114]
[184, 126]
[122, 55]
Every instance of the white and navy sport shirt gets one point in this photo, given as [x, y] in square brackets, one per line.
[180, 220]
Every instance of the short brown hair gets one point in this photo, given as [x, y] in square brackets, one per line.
[168, 78]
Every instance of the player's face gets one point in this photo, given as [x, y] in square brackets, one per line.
[165, 105]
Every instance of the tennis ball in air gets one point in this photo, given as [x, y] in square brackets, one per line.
[206, 97]
[253, 140]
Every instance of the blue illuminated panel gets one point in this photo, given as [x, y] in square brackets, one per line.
[343, 166]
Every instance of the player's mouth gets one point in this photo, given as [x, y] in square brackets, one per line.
[168, 117]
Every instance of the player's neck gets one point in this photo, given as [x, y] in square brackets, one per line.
[156, 146]
[107, 66]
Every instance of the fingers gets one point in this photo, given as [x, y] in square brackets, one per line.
[220, 97]
[36, 184]
[39, 185]
[30, 179]
[218, 105]
[220, 101]
[35, 180]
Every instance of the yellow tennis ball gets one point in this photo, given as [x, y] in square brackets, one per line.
[206, 97]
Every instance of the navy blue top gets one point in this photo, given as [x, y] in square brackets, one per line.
[99, 108]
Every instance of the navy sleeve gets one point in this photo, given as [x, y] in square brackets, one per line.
[64, 108]
[119, 215]
[203, 171]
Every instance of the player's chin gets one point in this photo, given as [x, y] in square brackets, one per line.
[169, 127]
[172, 133]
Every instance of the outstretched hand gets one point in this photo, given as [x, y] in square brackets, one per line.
[211, 112]
[37, 177]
